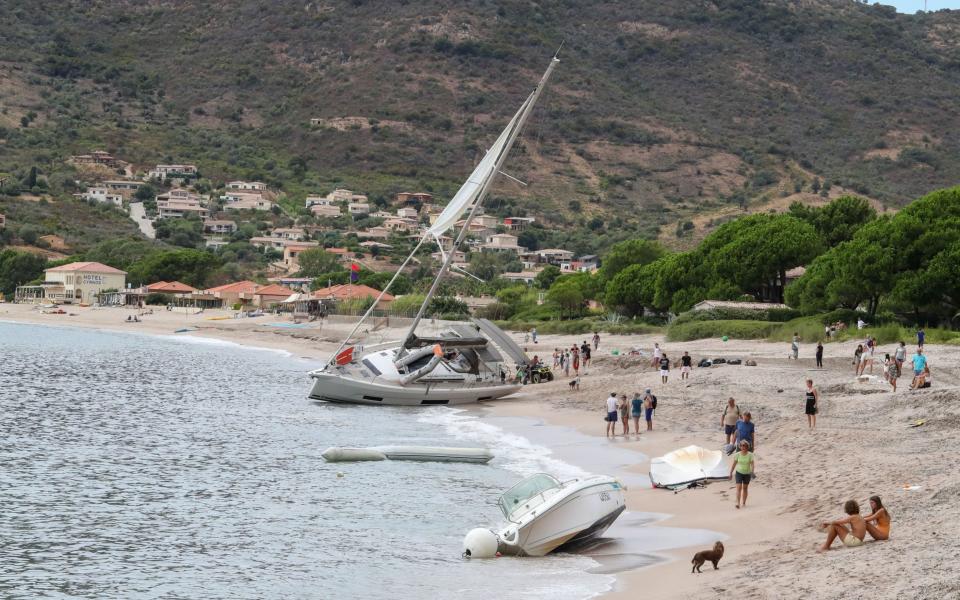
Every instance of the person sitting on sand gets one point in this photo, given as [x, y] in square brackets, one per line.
[878, 521]
[919, 361]
[923, 380]
[850, 530]
[743, 464]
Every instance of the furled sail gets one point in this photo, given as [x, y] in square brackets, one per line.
[467, 193]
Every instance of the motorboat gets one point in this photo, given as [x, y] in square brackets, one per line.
[461, 364]
[548, 515]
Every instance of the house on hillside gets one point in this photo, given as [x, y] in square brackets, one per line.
[269, 296]
[527, 277]
[289, 233]
[97, 157]
[401, 225]
[502, 241]
[179, 172]
[219, 226]
[101, 195]
[358, 209]
[74, 283]
[413, 198]
[379, 232]
[292, 252]
[124, 187]
[517, 223]
[325, 210]
[179, 202]
[256, 186]
[408, 213]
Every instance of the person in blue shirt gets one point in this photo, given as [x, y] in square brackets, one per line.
[920, 336]
[745, 431]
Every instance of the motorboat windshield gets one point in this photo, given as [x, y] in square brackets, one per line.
[517, 499]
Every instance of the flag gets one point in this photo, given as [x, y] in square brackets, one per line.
[354, 272]
[345, 356]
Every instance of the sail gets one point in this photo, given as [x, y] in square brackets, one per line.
[469, 190]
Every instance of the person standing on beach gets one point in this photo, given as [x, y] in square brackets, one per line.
[657, 353]
[664, 368]
[900, 355]
[585, 351]
[856, 359]
[746, 431]
[648, 410]
[743, 465]
[636, 408]
[611, 417]
[565, 363]
[819, 355]
[729, 419]
[686, 365]
[921, 335]
[893, 372]
[596, 340]
[533, 334]
[576, 361]
[625, 413]
[813, 399]
[795, 346]
[866, 358]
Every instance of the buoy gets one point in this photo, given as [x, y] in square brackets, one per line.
[480, 543]
[352, 454]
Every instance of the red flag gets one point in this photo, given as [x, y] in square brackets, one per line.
[345, 356]
[354, 267]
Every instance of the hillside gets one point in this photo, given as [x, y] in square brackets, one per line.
[661, 113]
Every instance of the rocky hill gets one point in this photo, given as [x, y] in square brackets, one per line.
[664, 118]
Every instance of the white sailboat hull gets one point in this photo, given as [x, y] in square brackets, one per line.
[582, 510]
[332, 387]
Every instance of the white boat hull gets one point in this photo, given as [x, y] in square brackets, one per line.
[332, 387]
[571, 517]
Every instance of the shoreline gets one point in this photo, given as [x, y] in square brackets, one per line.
[863, 445]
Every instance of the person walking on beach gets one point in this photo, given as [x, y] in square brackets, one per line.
[611, 417]
[813, 399]
[921, 335]
[648, 410]
[795, 346]
[747, 431]
[576, 361]
[743, 466]
[625, 413]
[664, 368]
[533, 334]
[686, 365]
[819, 355]
[729, 419]
[657, 353]
[596, 340]
[565, 363]
[893, 372]
[856, 359]
[636, 409]
[585, 351]
[866, 359]
[850, 530]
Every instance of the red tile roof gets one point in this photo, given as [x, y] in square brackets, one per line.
[346, 292]
[273, 290]
[93, 267]
[240, 287]
[171, 287]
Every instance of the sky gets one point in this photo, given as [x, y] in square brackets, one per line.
[912, 6]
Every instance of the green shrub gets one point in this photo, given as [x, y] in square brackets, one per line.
[738, 314]
[736, 329]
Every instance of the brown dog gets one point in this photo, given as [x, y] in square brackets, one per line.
[713, 556]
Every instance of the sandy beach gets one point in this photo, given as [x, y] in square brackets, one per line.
[863, 445]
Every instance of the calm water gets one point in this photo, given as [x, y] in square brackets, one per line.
[145, 467]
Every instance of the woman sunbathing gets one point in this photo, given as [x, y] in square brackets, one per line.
[878, 523]
[851, 536]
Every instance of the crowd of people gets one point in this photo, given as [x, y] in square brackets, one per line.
[621, 409]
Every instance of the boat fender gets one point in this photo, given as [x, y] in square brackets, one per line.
[480, 543]
[352, 454]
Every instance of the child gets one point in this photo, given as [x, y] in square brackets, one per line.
[851, 536]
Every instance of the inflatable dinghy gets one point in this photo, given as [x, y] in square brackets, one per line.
[687, 465]
[418, 453]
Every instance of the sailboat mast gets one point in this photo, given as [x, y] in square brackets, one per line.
[488, 181]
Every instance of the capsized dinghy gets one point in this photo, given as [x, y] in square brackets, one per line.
[687, 465]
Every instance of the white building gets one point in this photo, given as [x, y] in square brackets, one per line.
[255, 186]
[408, 213]
[502, 241]
[325, 210]
[162, 172]
[178, 203]
[219, 226]
[102, 195]
[81, 282]
[358, 208]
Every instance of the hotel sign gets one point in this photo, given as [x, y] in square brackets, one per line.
[93, 279]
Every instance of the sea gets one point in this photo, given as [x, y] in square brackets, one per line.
[136, 466]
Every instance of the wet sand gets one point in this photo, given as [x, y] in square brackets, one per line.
[862, 445]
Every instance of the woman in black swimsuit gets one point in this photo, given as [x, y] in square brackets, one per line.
[813, 397]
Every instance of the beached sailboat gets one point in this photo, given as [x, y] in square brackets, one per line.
[460, 365]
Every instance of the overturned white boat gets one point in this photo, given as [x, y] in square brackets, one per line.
[546, 514]
[687, 465]
[457, 366]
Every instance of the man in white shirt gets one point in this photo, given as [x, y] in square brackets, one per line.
[611, 417]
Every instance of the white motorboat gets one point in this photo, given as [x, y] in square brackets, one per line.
[458, 366]
[546, 515]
